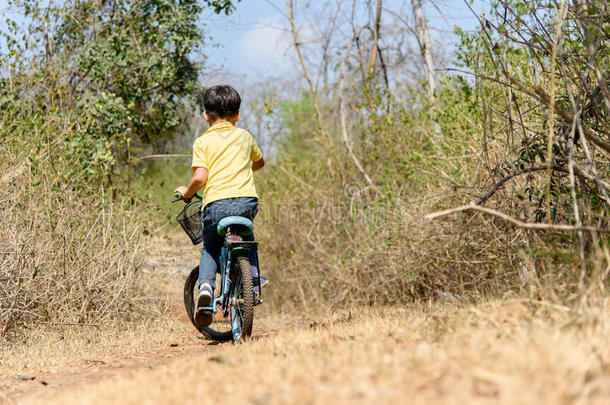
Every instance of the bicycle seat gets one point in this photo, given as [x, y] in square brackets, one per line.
[239, 225]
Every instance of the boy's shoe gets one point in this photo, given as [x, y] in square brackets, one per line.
[255, 278]
[206, 295]
[264, 281]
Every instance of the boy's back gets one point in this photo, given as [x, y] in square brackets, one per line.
[227, 152]
[224, 159]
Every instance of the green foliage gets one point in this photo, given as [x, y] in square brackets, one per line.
[137, 69]
[156, 186]
[87, 85]
[221, 6]
[298, 127]
[125, 67]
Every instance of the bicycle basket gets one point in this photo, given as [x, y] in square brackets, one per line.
[190, 220]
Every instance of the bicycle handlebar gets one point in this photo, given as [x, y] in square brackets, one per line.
[178, 197]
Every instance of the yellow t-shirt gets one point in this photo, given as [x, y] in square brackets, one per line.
[226, 151]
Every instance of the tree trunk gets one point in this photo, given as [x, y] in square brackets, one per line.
[423, 37]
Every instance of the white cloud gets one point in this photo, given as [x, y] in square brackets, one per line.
[266, 46]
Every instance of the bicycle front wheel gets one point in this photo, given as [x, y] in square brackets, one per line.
[241, 300]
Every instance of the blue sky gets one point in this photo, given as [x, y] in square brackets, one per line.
[254, 40]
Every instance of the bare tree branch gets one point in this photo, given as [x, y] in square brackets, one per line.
[500, 183]
[343, 120]
[155, 157]
[539, 93]
[297, 45]
[520, 224]
[373, 60]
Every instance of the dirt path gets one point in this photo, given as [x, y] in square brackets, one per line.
[48, 384]
[62, 381]
[510, 353]
[168, 257]
[46, 387]
[515, 351]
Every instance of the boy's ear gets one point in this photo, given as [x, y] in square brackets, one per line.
[237, 116]
[206, 116]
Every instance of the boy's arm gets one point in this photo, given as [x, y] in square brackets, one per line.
[258, 164]
[200, 176]
[256, 155]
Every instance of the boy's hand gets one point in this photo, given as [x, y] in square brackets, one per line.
[258, 164]
[182, 190]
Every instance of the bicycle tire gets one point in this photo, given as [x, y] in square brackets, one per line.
[213, 331]
[242, 316]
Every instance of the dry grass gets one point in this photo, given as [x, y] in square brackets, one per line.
[328, 239]
[42, 347]
[49, 350]
[352, 233]
[514, 352]
[334, 252]
[70, 250]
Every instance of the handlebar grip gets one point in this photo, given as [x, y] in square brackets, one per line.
[178, 197]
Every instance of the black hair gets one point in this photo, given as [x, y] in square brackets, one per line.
[221, 101]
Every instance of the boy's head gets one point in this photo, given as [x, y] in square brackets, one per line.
[221, 102]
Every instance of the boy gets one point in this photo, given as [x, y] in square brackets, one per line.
[224, 159]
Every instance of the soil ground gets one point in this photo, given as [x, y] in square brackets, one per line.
[513, 351]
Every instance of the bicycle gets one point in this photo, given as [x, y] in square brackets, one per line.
[237, 296]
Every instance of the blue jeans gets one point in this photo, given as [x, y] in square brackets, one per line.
[209, 263]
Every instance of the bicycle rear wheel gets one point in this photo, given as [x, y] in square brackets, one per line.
[220, 329]
[241, 299]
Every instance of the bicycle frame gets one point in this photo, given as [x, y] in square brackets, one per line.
[230, 299]
[228, 252]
